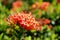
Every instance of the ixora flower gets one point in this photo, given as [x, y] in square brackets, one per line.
[16, 5]
[44, 5]
[25, 20]
[35, 5]
[58, 1]
[44, 21]
[50, 26]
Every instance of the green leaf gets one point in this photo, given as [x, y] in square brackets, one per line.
[58, 9]
[47, 38]
[1, 35]
[36, 13]
[25, 6]
[53, 35]
[28, 38]
[6, 38]
[57, 28]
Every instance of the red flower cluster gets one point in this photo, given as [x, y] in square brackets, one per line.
[35, 5]
[26, 21]
[16, 5]
[44, 21]
[58, 1]
[44, 5]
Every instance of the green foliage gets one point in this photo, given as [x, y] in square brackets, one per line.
[36, 13]
[3, 11]
[29, 2]
[1, 35]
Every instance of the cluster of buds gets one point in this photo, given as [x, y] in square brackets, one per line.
[25, 20]
[16, 5]
[44, 6]
[45, 21]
